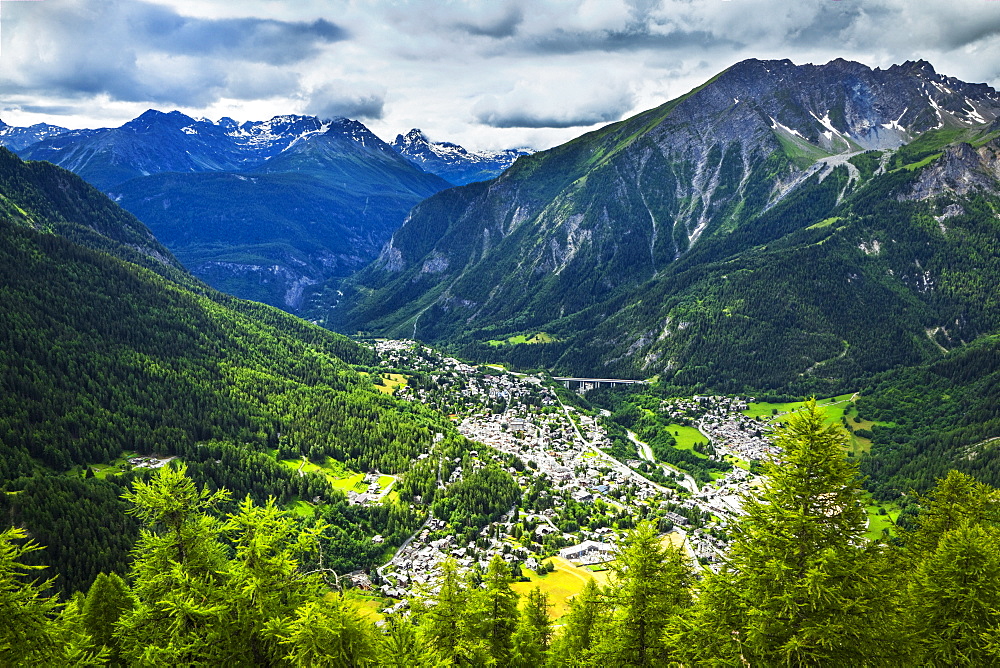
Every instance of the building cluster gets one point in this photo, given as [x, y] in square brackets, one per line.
[685, 411]
[149, 461]
[373, 493]
[518, 415]
[736, 434]
[588, 552]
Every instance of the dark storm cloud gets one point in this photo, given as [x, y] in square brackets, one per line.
[563, 42]
[520, 119]
[53, 109]
[140, 51]
[504, 25]
[567, 104]
[248, 39]
[958, 35]
[336, 100]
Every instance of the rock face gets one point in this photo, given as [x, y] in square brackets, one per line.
[583, 232]
[961, 169]
[452, 162]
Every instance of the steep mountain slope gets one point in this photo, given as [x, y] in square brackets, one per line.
[49, 199]
[678, 242]
[100, 357]
[452, 162]
[320, 209]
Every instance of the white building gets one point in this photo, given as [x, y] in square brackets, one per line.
[588, 552]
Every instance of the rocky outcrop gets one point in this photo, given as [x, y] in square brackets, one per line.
[961, 169]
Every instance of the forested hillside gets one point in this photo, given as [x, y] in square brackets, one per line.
[933, 418]
[101, 357]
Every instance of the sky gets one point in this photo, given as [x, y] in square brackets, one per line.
[487, 74]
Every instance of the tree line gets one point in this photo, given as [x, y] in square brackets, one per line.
[800, 587]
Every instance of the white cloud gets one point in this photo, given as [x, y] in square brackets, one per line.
[556, 102]
[485, 73]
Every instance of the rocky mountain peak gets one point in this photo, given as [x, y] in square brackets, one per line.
[16, 138]
[451, 161]
[914, 67]
[413, 137]
[153, 119]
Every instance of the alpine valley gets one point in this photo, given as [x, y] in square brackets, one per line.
[776, 297]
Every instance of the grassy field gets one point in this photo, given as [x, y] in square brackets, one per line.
[827, 222]
[355, 482]
[117, 466]
[302, 509]
[876, 522]
[562, 584]
[686, 437]
[340, 477]
[837, 409]
[537, 337]
[391, 382]
[736, 461]
[834, 406]
[369, 606]
[114, 468]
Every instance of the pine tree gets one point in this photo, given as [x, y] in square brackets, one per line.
[952, 599]
[403, 647]
[329, 633]
[33, 631]
[199, 604]
[107, 600]
[581, 628]
[180, 614]
[534, 631]
[493, 612]
[956, 500]
[651, 583]
[799, 587]
[444, 619]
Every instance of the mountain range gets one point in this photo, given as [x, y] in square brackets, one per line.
[768, 230]
[16, 138]
[453, 162]
[780, 227]
[263, 210]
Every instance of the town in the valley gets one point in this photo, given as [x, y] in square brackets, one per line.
[578, 500]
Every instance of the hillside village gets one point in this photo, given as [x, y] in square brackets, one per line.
[564, 450]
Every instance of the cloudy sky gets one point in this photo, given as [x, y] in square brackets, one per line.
[484, 73]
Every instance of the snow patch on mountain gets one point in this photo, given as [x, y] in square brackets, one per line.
[452, 162]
